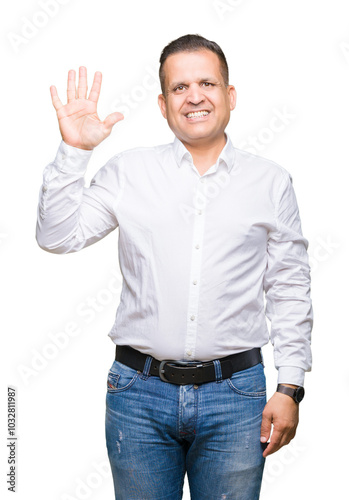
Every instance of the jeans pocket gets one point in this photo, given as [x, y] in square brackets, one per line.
[121, 377]
[250, 382]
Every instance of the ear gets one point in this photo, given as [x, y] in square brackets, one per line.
[162, 105]
[232, 96]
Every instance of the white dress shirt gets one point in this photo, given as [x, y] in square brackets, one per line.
[196, 252]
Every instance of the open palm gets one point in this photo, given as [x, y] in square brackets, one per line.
[78, 120]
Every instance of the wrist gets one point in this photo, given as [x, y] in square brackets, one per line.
[78, 146]
[294, 392]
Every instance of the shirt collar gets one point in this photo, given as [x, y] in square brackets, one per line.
[227, 155]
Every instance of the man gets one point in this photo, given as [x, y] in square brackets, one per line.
[204, 230]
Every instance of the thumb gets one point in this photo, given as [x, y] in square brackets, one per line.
[113, 118]
[266, 427]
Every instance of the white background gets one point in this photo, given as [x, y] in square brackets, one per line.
[285, 57]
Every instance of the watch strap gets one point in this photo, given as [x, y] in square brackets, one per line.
[296, 394]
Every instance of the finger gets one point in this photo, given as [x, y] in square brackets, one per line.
[55, 99]
[82, 87]
[277, 441]
[96, 87]
[265, 428]
[71, 92]
[113, 118]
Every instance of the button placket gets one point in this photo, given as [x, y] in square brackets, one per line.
[195, 271]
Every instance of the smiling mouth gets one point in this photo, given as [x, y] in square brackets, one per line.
[197, 114]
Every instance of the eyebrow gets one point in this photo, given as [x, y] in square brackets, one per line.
[206, 79]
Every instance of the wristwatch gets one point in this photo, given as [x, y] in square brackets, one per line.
[296, 394]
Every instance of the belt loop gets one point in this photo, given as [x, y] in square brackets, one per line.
[145, 374]
[218, 370]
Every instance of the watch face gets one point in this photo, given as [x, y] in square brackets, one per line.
[299, 394]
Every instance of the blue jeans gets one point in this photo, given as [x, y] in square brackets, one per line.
[157, 431]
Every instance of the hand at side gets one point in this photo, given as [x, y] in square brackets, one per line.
[283, 413]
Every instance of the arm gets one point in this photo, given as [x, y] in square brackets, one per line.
[70, 216]
[289, 308]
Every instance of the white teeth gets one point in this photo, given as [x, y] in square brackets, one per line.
[197, 114]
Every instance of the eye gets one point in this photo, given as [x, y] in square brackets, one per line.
[207, 84]
[180, 88]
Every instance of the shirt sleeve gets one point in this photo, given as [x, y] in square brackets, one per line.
[70, 216]
[287, 290]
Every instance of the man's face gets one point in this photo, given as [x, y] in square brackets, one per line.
[196, 104]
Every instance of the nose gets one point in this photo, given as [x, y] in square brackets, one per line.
[195, 95]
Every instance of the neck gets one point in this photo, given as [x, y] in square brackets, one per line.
[206, 154]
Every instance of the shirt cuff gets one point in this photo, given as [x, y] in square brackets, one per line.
[291, 375]
[72, 160]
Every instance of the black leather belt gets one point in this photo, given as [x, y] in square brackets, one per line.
[188, 372]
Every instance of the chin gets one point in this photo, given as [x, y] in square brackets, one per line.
[207, 134]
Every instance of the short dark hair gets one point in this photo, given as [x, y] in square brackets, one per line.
[192, 43]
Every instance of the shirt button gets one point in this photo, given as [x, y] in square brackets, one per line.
[202, 179]
[188, 352]
[199, 212]
[192, 317]
[44, 188]
[197, 246]
[63, 156]
[194, 282]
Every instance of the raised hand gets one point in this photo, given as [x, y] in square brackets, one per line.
[78, 121]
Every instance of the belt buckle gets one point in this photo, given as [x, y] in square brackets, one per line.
[175, 362]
